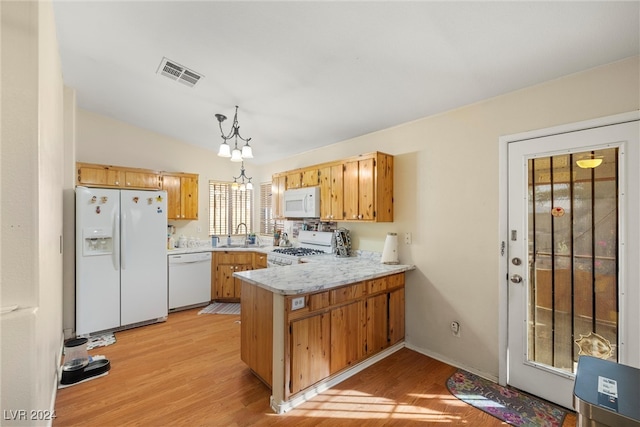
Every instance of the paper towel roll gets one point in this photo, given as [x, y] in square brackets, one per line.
[390, 250]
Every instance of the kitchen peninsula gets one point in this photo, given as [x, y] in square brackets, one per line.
[309, 326]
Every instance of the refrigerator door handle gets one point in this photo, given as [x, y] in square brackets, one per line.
[123, 240]
[115, 253]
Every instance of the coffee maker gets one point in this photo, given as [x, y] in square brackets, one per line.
[342, 242]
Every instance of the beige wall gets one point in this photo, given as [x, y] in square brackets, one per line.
[446, 194]
[104, 140]
[31, 219]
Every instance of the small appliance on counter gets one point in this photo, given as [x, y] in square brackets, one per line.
[342, 244]
[390, 249]
[284, 241]
[77, 365]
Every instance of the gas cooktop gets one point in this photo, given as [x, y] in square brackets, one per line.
[299, 251]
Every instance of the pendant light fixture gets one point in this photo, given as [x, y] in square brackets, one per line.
[236, 155]
[242, 185]
[589, 162]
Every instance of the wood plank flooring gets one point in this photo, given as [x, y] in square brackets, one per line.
[187, 372]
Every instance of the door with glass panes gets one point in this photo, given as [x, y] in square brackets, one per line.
[573, 256]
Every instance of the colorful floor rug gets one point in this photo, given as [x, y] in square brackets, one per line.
[221, 308]
[504, 403]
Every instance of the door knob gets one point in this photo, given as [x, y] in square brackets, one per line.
[516, 278]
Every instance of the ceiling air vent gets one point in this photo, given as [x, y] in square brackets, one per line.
[180, 73]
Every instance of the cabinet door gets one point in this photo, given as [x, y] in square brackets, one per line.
[396, 316]
[294, 180]
[237, 283]
[310, 178]
[278, 184]
[350, 190]
[348, 332]
[171, 184]
[310, 351]
[337, 202]
[377, 326]
[366, 189]
[225, 282]
[331, 199]
[142, 180]
[325, 193]
[96, 175]
[189, 197]
[259, 260]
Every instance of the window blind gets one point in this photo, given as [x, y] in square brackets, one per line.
[228, 208]
[266, 212]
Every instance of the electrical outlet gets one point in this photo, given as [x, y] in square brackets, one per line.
[455, 328]
[199, 229]
[297, 303]
[407, 238]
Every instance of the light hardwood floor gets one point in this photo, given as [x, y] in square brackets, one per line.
[187, 372]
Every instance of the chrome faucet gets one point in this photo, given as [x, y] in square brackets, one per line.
[246, 233]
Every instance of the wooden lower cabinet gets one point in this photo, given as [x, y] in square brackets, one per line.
[396, 316]
[335, 330]
[256, 338]
[360, 320]
[348, 335]
[377, 323]
[224, 264]
[310, 351]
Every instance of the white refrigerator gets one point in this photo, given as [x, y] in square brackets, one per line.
[121, 258]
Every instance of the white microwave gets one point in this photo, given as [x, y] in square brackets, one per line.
[302, 203]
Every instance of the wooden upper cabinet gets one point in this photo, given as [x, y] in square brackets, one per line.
[368, 188]
[138, 179]
[189, 196]
[310, 177]
[171, 184]
[294, 180]
[182, 195]
[98, 175]
[354, 189]
[331, 192]
[278, 185]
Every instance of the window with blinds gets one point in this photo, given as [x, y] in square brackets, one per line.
[266, 213]
[228, 208]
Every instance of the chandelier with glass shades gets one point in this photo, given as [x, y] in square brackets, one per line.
[237, 154]
[242, 185]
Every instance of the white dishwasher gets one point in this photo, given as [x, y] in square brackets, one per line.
[189, 280]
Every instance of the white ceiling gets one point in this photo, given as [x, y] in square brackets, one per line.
[312, 73]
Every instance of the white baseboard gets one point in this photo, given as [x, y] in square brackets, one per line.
[454, 363]
[282, 407]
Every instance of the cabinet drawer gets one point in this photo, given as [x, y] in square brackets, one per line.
[395, 281]
[347, 293]
[318, 301]
[234, 257]
[377, 285]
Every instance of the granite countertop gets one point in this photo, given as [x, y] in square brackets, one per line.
[319, 273]
[180, 251]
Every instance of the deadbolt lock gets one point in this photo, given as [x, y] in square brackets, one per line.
[516, 261]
